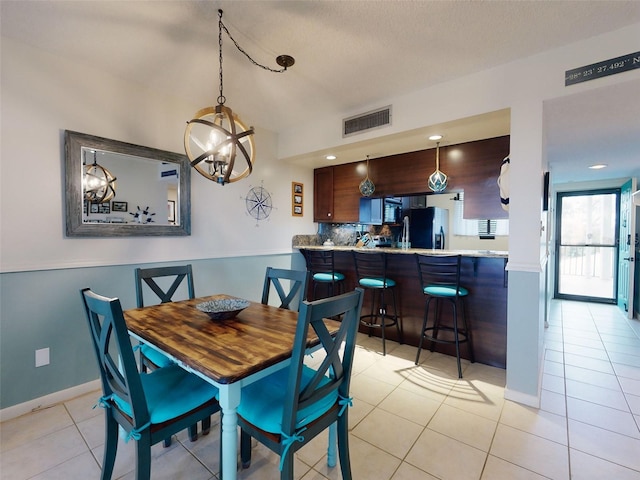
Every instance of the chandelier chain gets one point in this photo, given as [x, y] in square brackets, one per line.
[221, 98]
[241, 50]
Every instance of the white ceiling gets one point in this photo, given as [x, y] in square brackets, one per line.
[348, 54]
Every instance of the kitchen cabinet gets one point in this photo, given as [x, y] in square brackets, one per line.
[336, 198]
[323, 194]
[472, 168]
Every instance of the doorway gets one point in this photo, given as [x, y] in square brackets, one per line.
[586, 250]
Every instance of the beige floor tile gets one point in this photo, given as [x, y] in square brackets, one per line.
[554, 356]
[175, 464]
[478, 398]
[410, 406]
[389, 371]
[432, 384]
[634, 403]
[207, 447]
[618, 340]
[630, 386]
[367, 462]
[604, 444]
[370, 389]
[583, 342]
[537, 422]
[527, 450]
[446, 458]
[27, 428]
[358, 411]
[553, 368]
[468, 428]
[82, 407]
[621, 348]
[589, 467]
[265, 466]
[487, 374]
[82, 467]
[388, 432]
[625, 359]
[553, 383]
[593, 377]
[603, 417]
[595, 394]
[92, 431]
[627, 371]
[42, 454]
[409, 472]
[590, 363]
[498, 469]
[126, 455]
[553, 402]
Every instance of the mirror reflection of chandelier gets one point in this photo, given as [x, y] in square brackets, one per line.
[215, 137]
[99, 185]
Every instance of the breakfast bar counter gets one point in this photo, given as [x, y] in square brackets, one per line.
[483, 274]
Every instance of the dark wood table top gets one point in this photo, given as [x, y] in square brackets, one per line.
[223, 350]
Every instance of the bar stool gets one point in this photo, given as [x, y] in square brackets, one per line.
[440, 280]
[321, 266]
[371, 272]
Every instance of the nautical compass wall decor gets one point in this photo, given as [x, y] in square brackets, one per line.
[258, 203]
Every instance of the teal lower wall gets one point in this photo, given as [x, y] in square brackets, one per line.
[43, 309]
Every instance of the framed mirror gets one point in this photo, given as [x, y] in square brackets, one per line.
[148, 193]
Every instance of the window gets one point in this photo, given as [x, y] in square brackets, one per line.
[477, 228]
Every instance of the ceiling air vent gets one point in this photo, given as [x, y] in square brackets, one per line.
[366, 121]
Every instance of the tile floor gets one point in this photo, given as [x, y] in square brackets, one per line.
[410, 422]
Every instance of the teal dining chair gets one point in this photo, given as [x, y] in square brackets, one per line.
[149, 407]
[287, 409]
[174, 276]
[297, 285]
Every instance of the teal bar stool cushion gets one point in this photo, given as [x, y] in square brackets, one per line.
[328, 277]
[445, 291]
[377, 282]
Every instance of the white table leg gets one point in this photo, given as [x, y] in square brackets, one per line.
[229, 401]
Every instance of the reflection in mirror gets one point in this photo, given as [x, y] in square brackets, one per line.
[151, 196]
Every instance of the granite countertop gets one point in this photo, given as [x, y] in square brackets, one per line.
[400, 251]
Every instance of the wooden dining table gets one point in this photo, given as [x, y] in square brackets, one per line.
[228, 353]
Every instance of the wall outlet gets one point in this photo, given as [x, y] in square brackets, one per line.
[42, 357]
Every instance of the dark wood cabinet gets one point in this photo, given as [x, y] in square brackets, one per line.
[336, 197]
[323, 194]
[472, 167]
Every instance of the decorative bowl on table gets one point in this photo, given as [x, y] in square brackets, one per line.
[223, 308]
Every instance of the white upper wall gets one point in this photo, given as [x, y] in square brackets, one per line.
[43, 95]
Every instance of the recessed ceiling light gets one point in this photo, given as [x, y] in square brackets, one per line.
[598, 166]
[435, 137]
[330, 157]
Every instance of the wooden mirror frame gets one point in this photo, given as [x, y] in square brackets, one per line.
[74, 196]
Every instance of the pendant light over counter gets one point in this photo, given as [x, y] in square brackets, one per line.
[216, 136]
[366, 186]
[438, 179]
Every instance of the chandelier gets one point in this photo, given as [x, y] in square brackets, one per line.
[215, 138]
[99, 185]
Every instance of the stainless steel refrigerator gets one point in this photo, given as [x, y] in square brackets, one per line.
[428, 227]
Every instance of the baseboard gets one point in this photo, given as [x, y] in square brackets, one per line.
[523, 398]
[48, 400]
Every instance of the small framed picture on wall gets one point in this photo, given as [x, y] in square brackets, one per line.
[297, 199]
